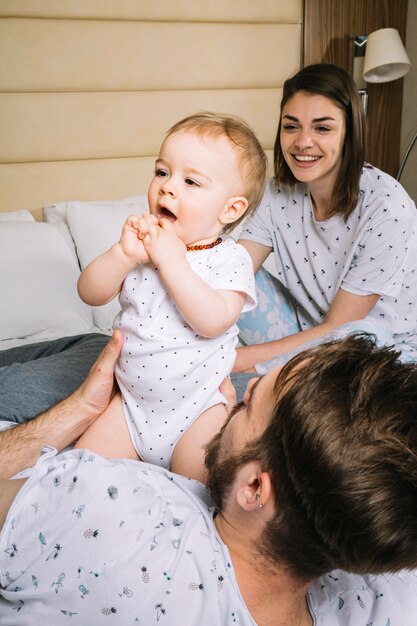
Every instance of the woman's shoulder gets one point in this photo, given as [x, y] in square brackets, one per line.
[378, 182]
[372, 173]
[379, 189]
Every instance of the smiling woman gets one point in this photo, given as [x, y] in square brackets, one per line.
[343, 232]
[312, 146]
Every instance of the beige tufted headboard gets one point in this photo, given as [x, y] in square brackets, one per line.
[89, 87]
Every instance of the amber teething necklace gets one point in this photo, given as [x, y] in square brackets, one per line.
[204, 246]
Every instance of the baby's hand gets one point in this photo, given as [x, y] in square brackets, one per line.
[145, 221]
[131, 241]
[162, 244]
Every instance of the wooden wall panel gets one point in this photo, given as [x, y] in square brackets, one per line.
[40, 55]
[329, 28]
[89, 87]
[163, 10]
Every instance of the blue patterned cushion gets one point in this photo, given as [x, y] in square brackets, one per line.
[273, 318]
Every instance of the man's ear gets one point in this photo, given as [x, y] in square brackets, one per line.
[255, 489]
[234, 209]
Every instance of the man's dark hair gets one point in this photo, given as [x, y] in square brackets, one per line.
[341, 450]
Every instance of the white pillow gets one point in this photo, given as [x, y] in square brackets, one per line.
[94, 227]
[38, 279]
[17, 216]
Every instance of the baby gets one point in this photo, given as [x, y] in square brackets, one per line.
[182, 288]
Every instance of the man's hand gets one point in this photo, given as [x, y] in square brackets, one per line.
[98, 388]
[65, 422]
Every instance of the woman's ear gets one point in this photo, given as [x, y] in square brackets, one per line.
[233, 210]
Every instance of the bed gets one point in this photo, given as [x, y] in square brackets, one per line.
[87, 91]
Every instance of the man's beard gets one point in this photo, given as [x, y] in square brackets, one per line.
[222, 466]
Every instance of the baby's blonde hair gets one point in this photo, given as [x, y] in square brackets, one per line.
[253, 164]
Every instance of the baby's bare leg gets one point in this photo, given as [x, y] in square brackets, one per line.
[8, 492]
[109, 435]
[188, 455]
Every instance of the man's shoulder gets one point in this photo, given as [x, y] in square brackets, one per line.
[343, 599]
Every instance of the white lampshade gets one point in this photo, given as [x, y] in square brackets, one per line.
[385, 57]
